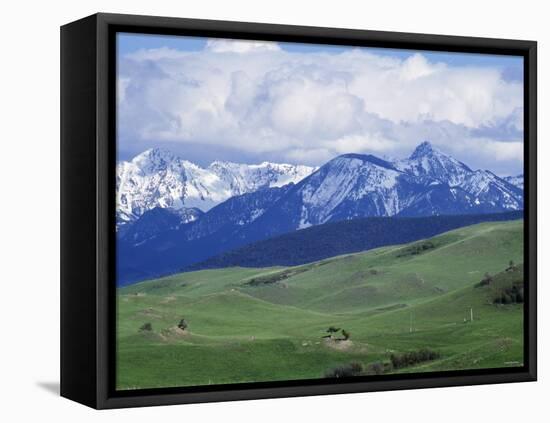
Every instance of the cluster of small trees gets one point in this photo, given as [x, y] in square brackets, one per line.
[377, 368]
[357, 369]
[275, 278]
[397, 361]
[511, 295]
[413, 357]
[416, 249]
[332, 331]
[488, 279]
[504, 295]
[346, 370]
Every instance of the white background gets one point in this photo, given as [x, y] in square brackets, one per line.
[29, 167]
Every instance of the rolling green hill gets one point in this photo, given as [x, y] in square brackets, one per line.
[264, 324]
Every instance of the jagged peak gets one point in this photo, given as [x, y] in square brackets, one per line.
[434, 155]
[155, 155]
[423, 149]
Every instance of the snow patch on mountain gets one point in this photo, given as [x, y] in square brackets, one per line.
[347, 178]
[488, 186]
[517, 180]
[244, 178]
[155, 221]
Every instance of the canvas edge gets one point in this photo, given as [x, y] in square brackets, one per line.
[103, 222]
[78, 311]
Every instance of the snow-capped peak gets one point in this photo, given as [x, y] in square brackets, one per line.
[429, 162]
[349, 178]
[423, 149]
[153, 159]
[159, 178]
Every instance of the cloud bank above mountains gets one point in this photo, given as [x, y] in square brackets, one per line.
[263, 102]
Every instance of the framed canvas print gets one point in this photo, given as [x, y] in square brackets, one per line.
[254, 211]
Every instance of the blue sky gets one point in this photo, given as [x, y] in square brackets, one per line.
[249, 102]
[130, 43]
[512, 65]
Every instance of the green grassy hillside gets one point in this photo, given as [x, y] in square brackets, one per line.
[267, 324]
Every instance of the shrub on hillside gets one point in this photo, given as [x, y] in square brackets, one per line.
[146, 327]
[183, 324]
[487, 280]
[413, 357]
[416, 249]
[376, 368]
[346, 370]
[510, 295]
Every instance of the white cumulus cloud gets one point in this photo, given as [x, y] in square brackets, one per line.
[240, 46]
[310, 106]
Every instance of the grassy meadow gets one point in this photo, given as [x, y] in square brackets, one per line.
[269, 324]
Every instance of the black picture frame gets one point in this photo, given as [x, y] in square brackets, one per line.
[87, 209]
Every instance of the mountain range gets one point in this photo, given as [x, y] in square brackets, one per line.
[173, 214]
[158, 178]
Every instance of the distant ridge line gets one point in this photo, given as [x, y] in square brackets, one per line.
[345, 237]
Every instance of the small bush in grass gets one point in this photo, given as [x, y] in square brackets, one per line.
[376, 368]
[338, 372]
[487, 280]
[183, 324]
[413, 357]
[146, 327]
[356, 367]
[396, 361]
[345, 370]
[511, 295]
